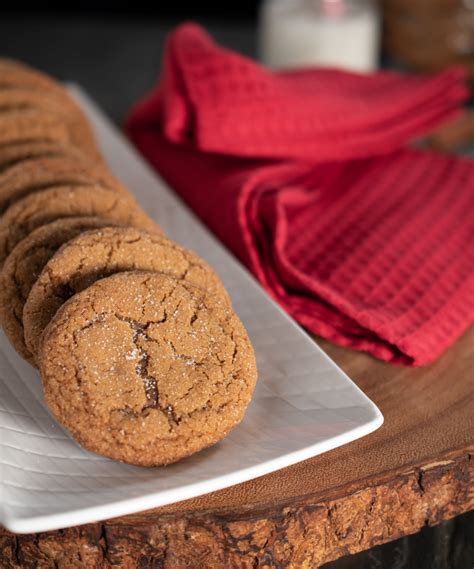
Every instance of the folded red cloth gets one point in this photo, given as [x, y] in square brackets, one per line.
[218, 101]
[376, 253]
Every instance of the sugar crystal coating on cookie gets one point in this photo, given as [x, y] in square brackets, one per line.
[39, 208]
[102, 252]
[147, 369]
[37, 174]
[24, 265]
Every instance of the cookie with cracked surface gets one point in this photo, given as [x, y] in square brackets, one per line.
[146, 369]
[41, 173]
[102, 252]
[39, 208]
[24, 265]
[29, 124]
[63, 107]
[15, 153]
[26, 87]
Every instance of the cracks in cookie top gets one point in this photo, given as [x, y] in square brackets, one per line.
[139, 332]
[149, 382]
[166, 372]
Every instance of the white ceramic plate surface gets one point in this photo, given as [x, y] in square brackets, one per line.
[303, 405]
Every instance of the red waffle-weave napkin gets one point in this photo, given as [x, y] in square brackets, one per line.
[362, 241]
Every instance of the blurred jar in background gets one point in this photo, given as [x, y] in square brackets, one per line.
[328, 33]
[430, 34]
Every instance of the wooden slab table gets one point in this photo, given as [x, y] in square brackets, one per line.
[416, 469]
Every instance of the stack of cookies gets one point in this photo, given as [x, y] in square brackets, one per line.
[141, 356]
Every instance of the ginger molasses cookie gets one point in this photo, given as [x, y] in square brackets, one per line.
[24, 265]
[18, 76]
[40, 173]
[63, 107]
[102, 252]
[29, 124]
[147, 369]
[39, 208]
[11, 154]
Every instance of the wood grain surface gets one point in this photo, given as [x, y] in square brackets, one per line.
[416, 470]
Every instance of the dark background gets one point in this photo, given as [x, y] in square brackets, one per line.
[113, 50]
[114, 56]
[141, 8]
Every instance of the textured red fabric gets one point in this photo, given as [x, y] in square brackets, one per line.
[306, 179]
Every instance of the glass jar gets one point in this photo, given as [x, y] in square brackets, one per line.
[329, 33]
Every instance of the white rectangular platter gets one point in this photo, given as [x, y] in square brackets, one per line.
[303, 405]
